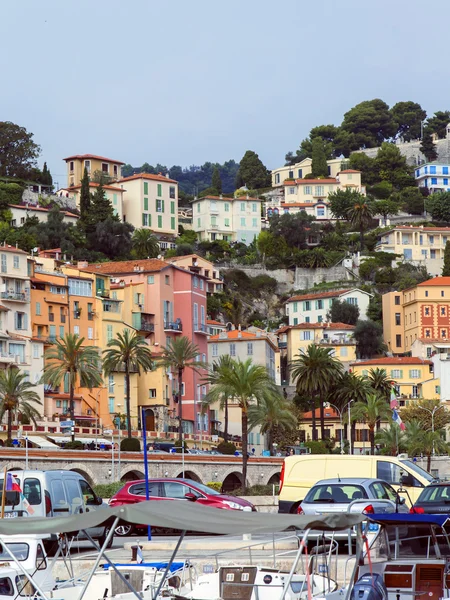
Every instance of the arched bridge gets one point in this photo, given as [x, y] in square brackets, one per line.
[98, 467]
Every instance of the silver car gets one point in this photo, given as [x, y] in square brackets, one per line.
[352, 494]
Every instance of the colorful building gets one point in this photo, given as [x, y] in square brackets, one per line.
[200, 266]
[113, 193]
[314, 308]
[433, 175]
[301, 169]
[94, 164]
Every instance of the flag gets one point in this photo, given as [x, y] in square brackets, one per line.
[394, 401]
[139, 556]
[11, 484]
[396, 417]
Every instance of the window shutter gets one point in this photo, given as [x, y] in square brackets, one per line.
[25, 321]
[16, 320]
[162, 202]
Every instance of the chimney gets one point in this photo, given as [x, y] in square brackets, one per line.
[233, 327]
[221, 196]
[239, 334]
[239, 327]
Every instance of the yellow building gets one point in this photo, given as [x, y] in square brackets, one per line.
[419, 245]
[201, 266]
[412, 376]
[339, 337]
[300, 169]
[78, 162]
[112, 192]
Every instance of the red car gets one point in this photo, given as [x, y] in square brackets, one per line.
[173, 489]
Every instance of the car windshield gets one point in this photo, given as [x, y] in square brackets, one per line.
[203, 488]
[335, 493]
[435, 494]
[415, 467]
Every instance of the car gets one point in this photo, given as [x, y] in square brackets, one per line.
[434, 499]
[173, 489]
[351, 494]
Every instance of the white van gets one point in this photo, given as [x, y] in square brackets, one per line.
[52, 494]
[300, 473]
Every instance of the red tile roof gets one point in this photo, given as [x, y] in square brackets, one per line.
[309, 181]
[298, 204]
[212, 322]
[127, 266]
[41, 209]
[93, 184]
[417, 228]
[234, 335]
[441, 281]
[7, 248]
[318, 296]
[95, 157]
[330, 413]
[393, 360]
[325, 326]
[158, 177]
[349, 171]
[238, 199]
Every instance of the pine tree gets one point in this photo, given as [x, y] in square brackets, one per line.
[101, 208]
[216, 181]
[85, 196]
[319, 166]
[428, 147]
[46, 178]
[446, 268]
[252, 172]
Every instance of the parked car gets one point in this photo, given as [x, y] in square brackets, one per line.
[434, 499]
[173, 489]
[351, 494]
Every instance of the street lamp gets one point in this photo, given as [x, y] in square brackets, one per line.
[349, 426]
[432, 412]
[97, 410]
[119, 427]
[328, 404]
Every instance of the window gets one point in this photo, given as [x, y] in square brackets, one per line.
[407, 253]
[232, 349]
[414, 373]
[445, 181]
[16, 262]
[172, 222]
[242, 206]
[319, 304]
[434, 181]
[320, 211]
[291, 190]
[18, 350]
[159, 221]
[215, 349]
[443, 311]
[319, 318]
[307, 190]
[397, 319]
[199, 222]
[61, 331]
[389, 472]
[213, 221]
[242, 221]
[427, 311]
[109, 333]
[36, 351]
[172, 192]
[4, 263]
[397, 300]
[319, 190]
[277, 178]
[105, 168]
[227, 207]
[254, 222]
[295, 321]
[254, 207]
[305, 335]
[300, 173]
[307, 305]
[344, 351]
[353, 301]
[397, 374]
[38, 308]
[432, 170]
[80, 287]
[111, 384]
[444, 170]
[431, 239]
[159, 189]
[90, 333]
[150, 279]
[167, 279]
[398, 340]
[443, 333]
[111, 404]
[21, 321]
[144, 220]
[250, 348]
[442, 293]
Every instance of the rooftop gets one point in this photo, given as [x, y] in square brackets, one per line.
[309, 181]
[324, 326]
[393, 360]
[41, 209]
[159, 177]
[93, 184]
[319, 295]
[349, 171]
[94, 157]
[127, 266]
[439, 281]
[7, 248]
[236, 199]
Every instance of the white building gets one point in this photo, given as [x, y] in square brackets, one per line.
[21, 213]
[313, 308]
[434, 176]
[228, 219]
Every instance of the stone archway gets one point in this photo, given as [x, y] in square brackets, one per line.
[189, 474]
[232, 481]
[132, 475]
[85, 472]
[274, 479]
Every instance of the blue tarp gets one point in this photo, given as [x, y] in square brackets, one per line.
[409, 519]
[175, 566]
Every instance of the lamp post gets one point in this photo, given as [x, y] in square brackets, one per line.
[118, 451]
[349, 426]
[432, 413]
[328, 404]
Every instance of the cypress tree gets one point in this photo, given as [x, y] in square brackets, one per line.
[446, 268]
[101, 208]
[85, 196]
[216, 181]
[428, 147]
[47, 178]
[319, 166]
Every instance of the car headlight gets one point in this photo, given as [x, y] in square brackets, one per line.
[233, 505]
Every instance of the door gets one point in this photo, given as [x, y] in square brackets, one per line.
[150, 420]
[429, 580]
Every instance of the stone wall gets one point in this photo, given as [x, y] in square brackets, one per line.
[32, 198]
[308, 278]
[411, 151]
[284, 277]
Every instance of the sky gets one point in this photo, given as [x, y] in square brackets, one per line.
[181, 83]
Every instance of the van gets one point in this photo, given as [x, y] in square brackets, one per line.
[300, 473]
[52, 494]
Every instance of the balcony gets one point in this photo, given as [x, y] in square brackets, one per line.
[16, 296]
[341, 341]
[175, 326]
[282, 345]
[200, 328]
[103, 293]
[145, 326]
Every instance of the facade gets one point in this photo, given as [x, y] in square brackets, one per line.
[200, 266]
[228, 219]
[412, 376]
[434, 176]
[21, 213]
[300, 169]
[215, 327]
[311, 195]
[313, 308]
[294, 340]
[78, 162]
[151, 201]
[112, 192]
[419, 245]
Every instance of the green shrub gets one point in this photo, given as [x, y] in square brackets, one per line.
[255, 490]
[226, 448]
[130, 445]
[107, 490]
[215, 485]
[76, 445]
[10, 193]
[177, 445]
[318, 447]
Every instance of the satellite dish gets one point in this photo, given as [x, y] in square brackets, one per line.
[35, 249]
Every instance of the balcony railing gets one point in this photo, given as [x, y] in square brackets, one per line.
[18, 296]
[147, 326]
[282, 345]
[200, 328]
[173, 326]
[103, 293]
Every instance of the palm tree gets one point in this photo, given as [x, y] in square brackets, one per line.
[181, 355]
[392, 438]
[360, 215]
[131, 352]
[145, 244]
[370, 411]
[427, 442]
[222, 362]
[381, 383]
[313, 371]
[17, 395]
[351, 387]
[69, 357]
[269, 414]
[246, 383]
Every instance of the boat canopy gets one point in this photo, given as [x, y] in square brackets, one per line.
[185, 516]
[409, 519]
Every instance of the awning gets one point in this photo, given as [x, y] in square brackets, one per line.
[185, 517]
[83, 440]
[41, 442]
[409, 519]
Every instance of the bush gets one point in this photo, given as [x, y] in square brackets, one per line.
[130, 445]
[76, 445]
[215, 485]
[107, 490]
[254, 490]
[177, 445]
[226, 448]
[318, 447]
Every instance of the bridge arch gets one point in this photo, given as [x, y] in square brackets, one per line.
[84, 471]
[15, 466]
[231, 481]
[131, 475]
[191, 474]
[274, 478]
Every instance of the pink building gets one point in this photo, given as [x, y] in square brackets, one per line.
[173, 304]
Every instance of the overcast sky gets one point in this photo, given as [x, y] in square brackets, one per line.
[181, 82]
